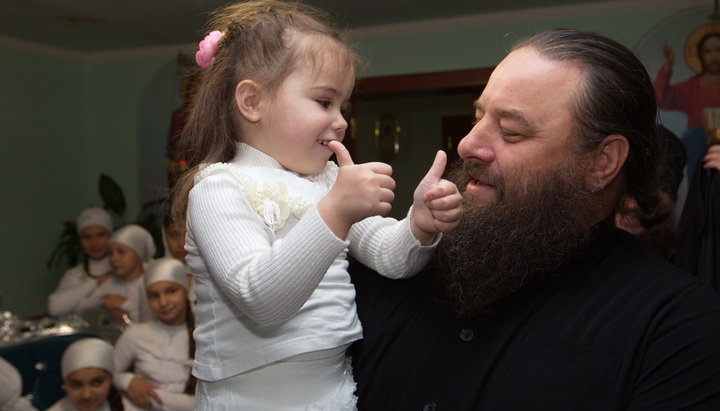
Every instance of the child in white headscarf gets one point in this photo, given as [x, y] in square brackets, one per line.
[86, 368]
[94, 227]
[123, 294]
[160, 352]
[11, 398]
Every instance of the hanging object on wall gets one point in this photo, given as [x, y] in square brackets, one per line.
[682, 55]
[387, 137]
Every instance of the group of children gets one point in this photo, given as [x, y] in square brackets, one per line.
[119, 281]
[270, 222]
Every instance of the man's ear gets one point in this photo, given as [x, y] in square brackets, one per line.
[607, 159]
[247, 99]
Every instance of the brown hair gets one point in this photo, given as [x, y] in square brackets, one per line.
[264, 40]
[190, 323]
[616, 97]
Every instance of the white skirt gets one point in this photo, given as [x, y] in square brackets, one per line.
[315, 381]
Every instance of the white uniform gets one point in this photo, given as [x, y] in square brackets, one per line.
[75, 286]
[11, 389]
[64, 404]
[158, 353]
[135, 305]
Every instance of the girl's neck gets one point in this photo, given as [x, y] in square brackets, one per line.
[137, 272]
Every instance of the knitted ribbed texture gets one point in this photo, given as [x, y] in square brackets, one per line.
[272, 282]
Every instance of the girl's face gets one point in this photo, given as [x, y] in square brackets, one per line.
[175, 237]
[296, 122]
[168, 300]
[88, 388]
[94, 241]
[124, 261]
[710, 55]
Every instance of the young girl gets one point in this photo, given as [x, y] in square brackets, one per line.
[94, 227]
[270, 221]
[160, 351]
[87, 367]
[174, 235]
[123, 295]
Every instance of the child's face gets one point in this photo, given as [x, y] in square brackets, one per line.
[303, 115]
[175, 237]
[88, 388]
[124, 260]
[168, 300]
[94, 241]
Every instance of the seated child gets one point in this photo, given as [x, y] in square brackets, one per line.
[86, 368]
[94, 227]
[11, 398]
[160, 352]
[123, 295]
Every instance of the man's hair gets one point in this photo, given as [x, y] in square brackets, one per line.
[615, 97]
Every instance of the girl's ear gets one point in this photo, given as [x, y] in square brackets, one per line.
[607, 162]
[247, 100]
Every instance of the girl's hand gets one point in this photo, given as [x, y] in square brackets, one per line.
[437, 203]
[141, 391]
[112, 301]
[712, 157]
[360, 191]
[102, 278]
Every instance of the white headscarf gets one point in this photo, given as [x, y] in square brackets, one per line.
[87, 353]
[94, 216]
[137, 238]
[166, 269]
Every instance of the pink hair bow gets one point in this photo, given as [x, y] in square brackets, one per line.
[204, 57]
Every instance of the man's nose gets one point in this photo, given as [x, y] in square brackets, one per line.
[477, 144]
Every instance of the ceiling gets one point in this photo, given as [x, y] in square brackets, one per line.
[107, 25]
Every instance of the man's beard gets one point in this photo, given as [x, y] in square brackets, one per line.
[516, 241]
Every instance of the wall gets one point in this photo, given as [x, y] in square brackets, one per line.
[65, 120]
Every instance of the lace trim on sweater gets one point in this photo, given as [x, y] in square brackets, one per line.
[271, 200]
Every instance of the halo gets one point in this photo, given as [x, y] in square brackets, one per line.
[691, 57]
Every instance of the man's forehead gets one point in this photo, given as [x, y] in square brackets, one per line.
[525, 80]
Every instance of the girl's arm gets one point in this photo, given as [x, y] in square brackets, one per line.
[94, 299]
[123, 358]
[73, 287]
[268, 279]
[174, 401]
[389, 247]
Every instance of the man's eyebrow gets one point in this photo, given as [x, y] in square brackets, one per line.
[508, 113]
[516, 116]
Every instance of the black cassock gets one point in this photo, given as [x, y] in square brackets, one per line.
[698, 236]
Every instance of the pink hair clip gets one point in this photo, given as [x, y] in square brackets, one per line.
[205, 56]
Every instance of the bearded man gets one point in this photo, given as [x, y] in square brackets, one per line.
[537, 301]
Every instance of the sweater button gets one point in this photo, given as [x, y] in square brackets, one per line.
[466, 334]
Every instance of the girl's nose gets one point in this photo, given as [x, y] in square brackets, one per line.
[340, 124]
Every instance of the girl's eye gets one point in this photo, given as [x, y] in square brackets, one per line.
[324, 103]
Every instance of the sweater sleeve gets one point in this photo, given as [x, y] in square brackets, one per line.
[389, 247]
[73, 287]
[268, 279]
[123, 358]
[92, 300]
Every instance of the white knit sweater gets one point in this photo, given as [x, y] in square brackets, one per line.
[270, 277]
